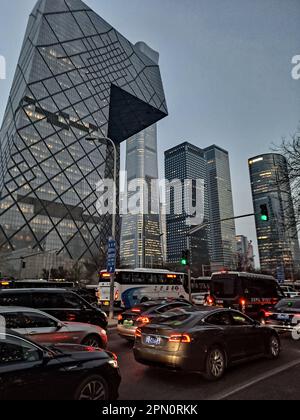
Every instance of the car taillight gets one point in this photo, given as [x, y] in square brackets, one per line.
[143, 320]
[120, 317]
[210, 300]
[136, 310]
[138, 333]
[243, 302]
[117, 295]
[268, 314]
[180, 338]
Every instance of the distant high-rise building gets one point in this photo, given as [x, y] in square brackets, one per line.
[141, 241]
[76, 77]
[163, 232]
[185, 162]
[222, 235]
[277, 238]
[245, 253]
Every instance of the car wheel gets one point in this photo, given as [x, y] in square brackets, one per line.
[94, 388]
[274, 347]
[92, 341]
[215, 364]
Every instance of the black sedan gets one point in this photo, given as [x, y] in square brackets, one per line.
[285, 317]
[142, 314]
[65, 372]
[206, 341]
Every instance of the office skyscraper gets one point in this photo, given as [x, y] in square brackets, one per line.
[277, 238]
[140, 241]
[214, 246]
[185, 162]
[76, 77]
[222, 235]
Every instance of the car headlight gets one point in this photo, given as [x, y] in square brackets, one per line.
[113, 363]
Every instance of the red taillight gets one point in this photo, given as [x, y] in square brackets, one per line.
[143, 320]
[243, 302]
[210, 300]
[136, 310]
[180, 338]
[138, 333]
[120, 317]
[71, 317]
[117, 295]
[268, 314]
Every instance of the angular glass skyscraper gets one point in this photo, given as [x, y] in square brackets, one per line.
[140, 240]
[277, 238]
[76, 77]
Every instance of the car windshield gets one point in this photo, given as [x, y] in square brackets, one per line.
[288, 304]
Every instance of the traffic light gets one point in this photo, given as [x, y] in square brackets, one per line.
[264, 213]
[185, 259]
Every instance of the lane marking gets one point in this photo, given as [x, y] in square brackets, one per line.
[255, 381]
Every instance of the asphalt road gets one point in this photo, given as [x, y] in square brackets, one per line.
[262, 379]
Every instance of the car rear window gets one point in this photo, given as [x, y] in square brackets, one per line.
[288, 304]
[174, 320]
[225, 287]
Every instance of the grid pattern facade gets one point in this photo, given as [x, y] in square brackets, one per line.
[185, 162]
[76, 77]
[277, 239]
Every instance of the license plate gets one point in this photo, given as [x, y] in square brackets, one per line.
[153, 341]
[127, 324]
[283, 317]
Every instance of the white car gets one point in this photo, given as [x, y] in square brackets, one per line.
[200, 298]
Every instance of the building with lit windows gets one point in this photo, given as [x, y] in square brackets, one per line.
[185, 162]
[277, 238]
[76, 77]
[140, 240]
[214, 246]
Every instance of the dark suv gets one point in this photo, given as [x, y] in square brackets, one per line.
[62, 304]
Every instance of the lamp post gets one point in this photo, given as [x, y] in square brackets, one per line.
[107, 140]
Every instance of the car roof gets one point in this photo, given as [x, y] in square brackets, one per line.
[11, 309]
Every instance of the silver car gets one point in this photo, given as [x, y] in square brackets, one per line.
[45, 329]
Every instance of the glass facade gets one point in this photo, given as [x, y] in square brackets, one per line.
[76, 77]
[140, 240]
[185, 162]
[222, 235]
[277, 238]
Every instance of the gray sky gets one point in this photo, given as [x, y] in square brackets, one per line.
[226, 67]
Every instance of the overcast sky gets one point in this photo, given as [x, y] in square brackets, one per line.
[226, 68]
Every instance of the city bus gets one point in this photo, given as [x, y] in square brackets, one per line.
[250, 293]
[140, 285]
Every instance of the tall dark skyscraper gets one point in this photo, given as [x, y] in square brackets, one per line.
[216, 245]
[185, 162]
[76, 77]
[220, 199]
[277, 238]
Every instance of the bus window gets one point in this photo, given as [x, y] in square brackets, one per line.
[260, 288]
[124, 278]
[137, 278]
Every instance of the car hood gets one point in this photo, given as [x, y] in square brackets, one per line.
[78, 352]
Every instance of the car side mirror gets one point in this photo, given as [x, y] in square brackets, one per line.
[59, 326]
[47, 357]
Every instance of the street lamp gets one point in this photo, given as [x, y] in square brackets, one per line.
[106, 140]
